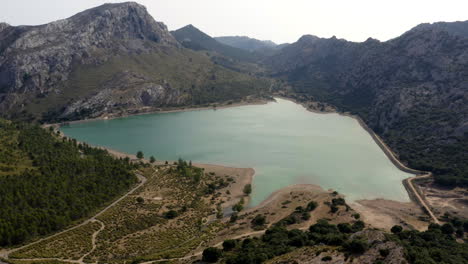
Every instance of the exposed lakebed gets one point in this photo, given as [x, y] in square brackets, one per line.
[282, 141]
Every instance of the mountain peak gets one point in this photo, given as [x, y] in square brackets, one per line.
[458, 28]
[123, 20]
[308, 38]
[3, 25]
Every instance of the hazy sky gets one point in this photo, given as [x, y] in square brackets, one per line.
[277, 20]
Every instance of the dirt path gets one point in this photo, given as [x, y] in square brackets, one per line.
[6, 254]
[420, 175]
[422, 202]
[93, 241]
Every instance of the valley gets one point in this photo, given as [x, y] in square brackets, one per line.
[124, 142]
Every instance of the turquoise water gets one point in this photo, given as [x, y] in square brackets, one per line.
[282, 141]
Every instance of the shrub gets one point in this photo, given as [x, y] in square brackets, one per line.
[247, 189]
[358, 226]
[139, 155]
[211, 254]
[447, 229]
[396, 229]
[140, 200]
[258, 221]
[171, 214]
[311, 206]
[345, 228]
[229, 244]
[384, 252]
[357, 246]
[233, 218]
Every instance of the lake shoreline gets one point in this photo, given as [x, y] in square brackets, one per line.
[414, 194]
[165, 111]
[383, 146]
[388, 152]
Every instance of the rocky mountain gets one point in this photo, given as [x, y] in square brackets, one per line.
[249, 44]
[411, 90]
[113, 58]
[455, 28]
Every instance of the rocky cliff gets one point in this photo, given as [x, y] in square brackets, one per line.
[412, 90]
[70, 67]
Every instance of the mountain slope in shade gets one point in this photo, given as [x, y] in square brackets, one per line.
[411, 90]
[193, 38]
[114, 58]
[249, 44]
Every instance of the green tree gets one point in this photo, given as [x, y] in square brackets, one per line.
[140, 155]
[229, 244]
[238, 207]
[248, 189]
[171, 214]
[258, 221]
[211, 254]
[358, 246]
[311, 206]
[396, 229]
[447, 228]
[140, 200]
[152, 159]
[233, 218]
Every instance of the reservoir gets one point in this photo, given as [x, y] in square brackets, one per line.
[282, 141]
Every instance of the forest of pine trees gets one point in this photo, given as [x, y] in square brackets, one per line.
[64, 182]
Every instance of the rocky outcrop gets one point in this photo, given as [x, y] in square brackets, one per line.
[40, 57]
[127, 92]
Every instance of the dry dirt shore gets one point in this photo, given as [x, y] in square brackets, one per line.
[148, 111]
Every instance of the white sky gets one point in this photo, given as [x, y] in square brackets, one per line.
[277, 20]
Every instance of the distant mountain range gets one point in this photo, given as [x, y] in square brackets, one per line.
[246, 43]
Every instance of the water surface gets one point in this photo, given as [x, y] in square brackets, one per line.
[282, 141]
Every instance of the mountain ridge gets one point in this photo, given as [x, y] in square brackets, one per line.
[64, 70]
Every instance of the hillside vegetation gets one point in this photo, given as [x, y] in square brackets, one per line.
[51, 182]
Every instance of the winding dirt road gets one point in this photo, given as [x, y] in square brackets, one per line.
[5, 254]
